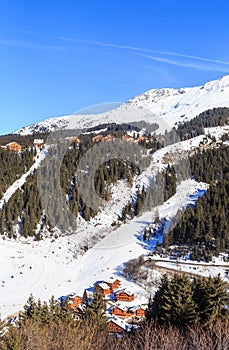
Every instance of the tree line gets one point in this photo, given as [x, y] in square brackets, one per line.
[184, 314]
[205, 227]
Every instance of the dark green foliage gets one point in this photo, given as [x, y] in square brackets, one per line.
[96, 311]
[210, 296]
[210, 118]
[170, 182]
[205, 228]
[174, 303]
[25, 213]
[182, 302]
[46, 313]
[24, 210]
[13, 165]
[24, 141]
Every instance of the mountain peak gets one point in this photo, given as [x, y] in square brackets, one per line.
[171, 105]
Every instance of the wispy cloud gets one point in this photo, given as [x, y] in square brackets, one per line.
[28, 45]
[201, 66]
[213, 64]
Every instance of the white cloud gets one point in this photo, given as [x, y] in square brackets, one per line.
[194, 62]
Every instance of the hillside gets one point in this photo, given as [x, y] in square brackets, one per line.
[41, 255]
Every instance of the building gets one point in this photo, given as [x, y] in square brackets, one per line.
[103, 288]
[13, 146]
[117, 325]
[124, 311]
[97, 138]
[121, 311]
[124, 295]
[109, 138]
[127, 138]
[38, 143]
[74, 139]
[114, 284]
[137, 311]
[75, 302]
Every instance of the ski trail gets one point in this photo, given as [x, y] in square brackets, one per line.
[20, 182]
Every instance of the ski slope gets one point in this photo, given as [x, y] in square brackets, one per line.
[20, 182]
[53, 266]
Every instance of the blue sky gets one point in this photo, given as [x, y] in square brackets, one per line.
[59, 56]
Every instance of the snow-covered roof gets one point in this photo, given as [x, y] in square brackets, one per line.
[12, 143]
[120, 322]
[38, 141]
[134, 308]
[121, 307]
[103, 285]
[125, 290]
[112, 280]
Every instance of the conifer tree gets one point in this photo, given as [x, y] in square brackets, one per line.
[96, 311]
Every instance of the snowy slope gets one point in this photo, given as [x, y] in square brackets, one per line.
[51, 267]
[172, 105]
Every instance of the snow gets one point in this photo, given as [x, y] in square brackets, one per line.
[99, 251]
[53, 267]
[195, 268]
[167, 106]
[20, 182]
[120, 322]
[61, 266]
[103, 285]
[217, 131]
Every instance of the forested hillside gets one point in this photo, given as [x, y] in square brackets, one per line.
[210, 118]
[13, 165]
[205, 228]
[205, 225]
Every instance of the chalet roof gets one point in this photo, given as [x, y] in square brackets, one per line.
[134, 308]
[109, 137]
[112, 280]
[121, 307]
[103, 285]
[124, 290]
[38, 141]
[120, 322]
[12, 143]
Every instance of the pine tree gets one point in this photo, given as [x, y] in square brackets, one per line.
[173, 302]
[85, 298]
[96, 311]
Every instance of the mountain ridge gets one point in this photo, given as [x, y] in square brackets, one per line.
[171, 105]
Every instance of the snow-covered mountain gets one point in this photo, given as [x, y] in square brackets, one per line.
[60, 265]
[171, 105]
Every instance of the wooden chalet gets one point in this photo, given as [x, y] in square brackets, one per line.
[118, 326]
[75, 302]
[13, 146]
[114, 284]
[137, 311]
[38, 143]
[121, 311]
[127, 138]
[103, 288]
[124, 311]
[97, 138]
[78, 312]
[124, 295]
[75, 139]
[141, 139]
[109, 138]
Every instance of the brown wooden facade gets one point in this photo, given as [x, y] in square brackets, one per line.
[14, 147]
[114, 285]
[124, 296]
